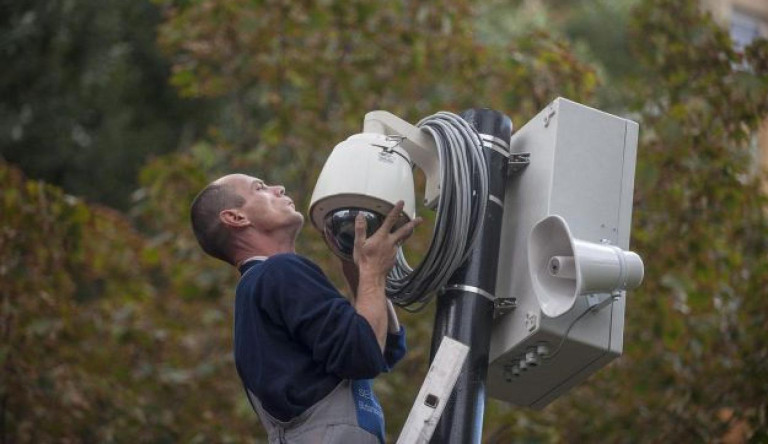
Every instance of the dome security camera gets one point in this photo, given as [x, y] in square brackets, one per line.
[367, 173]
[339, 231]
[370, 172]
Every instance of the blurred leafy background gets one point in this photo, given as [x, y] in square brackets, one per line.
[113, 114]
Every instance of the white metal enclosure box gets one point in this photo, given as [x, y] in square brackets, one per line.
[582, 167]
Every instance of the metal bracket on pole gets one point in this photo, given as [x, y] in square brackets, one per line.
[416, 142]
[518, 162]
[434, 393]
[503, 306]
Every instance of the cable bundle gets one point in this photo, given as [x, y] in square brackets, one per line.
[460, 212]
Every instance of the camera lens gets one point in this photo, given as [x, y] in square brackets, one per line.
[339, 231]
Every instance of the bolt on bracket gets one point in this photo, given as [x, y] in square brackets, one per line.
[518, 162]
[503, 306]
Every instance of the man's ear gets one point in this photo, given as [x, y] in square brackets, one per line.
[233, 218]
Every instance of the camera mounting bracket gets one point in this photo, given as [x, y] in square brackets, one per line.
[419, 145]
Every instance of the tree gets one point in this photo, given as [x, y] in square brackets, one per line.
[100, 342]
[694, 356]
[84, 95]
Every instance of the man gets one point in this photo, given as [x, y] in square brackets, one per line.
[305, 355]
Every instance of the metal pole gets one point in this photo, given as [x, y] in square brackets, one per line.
[465, 307]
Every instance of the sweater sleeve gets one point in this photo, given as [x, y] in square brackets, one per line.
[395, 348]
[296, 294]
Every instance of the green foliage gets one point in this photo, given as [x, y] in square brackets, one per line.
[597, 30]
[300, 76]
[694, 365]
[98, 344]
[84, 95]
[701, 103]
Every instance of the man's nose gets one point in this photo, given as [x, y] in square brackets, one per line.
[279, 190]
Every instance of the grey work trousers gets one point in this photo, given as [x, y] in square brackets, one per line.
[332, 420]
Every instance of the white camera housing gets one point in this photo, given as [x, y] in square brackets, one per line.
[372, 171]
[368, 171]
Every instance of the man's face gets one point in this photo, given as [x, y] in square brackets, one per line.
[266, 206]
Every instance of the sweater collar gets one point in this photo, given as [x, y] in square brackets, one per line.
[250, 262]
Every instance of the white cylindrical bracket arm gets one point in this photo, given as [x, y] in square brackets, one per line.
[419, 145]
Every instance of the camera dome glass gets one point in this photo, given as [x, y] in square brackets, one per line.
[339, 229]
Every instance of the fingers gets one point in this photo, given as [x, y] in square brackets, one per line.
[392, 217]
[360, 227]
[406, 230]
[396, 237]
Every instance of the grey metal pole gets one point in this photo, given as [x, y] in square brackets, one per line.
[465, 307]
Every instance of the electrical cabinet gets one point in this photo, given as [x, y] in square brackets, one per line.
[581, 167]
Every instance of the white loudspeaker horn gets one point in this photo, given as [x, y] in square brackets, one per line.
[563, 267]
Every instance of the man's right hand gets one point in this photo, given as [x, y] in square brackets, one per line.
[376, 254]
[374, 257]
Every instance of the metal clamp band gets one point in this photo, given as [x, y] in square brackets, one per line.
[496, 200]
[470, 289]
[495, 144]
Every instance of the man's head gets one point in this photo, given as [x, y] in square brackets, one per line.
[239, 215]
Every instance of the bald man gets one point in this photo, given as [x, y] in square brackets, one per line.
[305, 354]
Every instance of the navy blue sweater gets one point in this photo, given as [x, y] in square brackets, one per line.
[296, 337]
